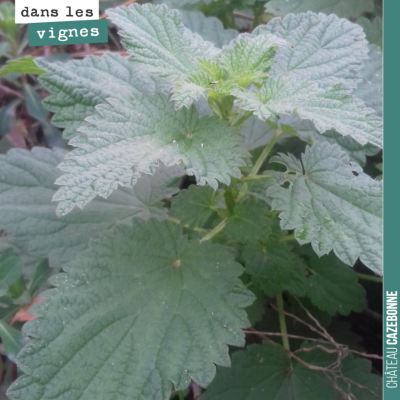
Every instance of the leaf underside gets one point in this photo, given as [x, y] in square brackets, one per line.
[142, 312]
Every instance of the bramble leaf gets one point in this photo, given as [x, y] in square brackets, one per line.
[264, 372]
[324, 49]
[78, 86]
[333, 108]
[194, 206]
[333, 286]
[275, 268]
[342, 8]
[142, 312]
[331, 203]
[157, 41]
[29, 218]
[128, 138]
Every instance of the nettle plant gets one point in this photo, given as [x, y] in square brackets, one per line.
[154, 292]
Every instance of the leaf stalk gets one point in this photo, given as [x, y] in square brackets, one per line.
[215, 231]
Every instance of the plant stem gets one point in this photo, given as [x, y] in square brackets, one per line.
[238, 123]
[255, 177]
[287, 238]
[181, 396]
[370, 278]
[229, 201]
[282, 322]
[215, 231]
[259, 163]
[176, 221]
[265, 153]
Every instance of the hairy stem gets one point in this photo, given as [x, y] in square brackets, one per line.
[259, 163]
[265, 153]
[176, 221]
[282, 322]
[215, 231]
[370, 278]
[239, 122]
[255, 177]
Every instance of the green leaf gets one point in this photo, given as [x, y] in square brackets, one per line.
[7, 117]
[275, 268]
[256, 311]
[129, 137]
[194, 206]
[249, 221]
[248, 58]
[373, 30]
[307, 132]
[324, 49]
[34, 104]
[209, 28]
[29, 218]
[333, 286]
[264, 372]
[13, 340]
[182, 3]
[11, 269]
[4, 48]
[333, 108]
[78, 86]
[331, 203]
[199, 84]
[157, 41]
[370, 89]
[24, 65]
[153, 310]
[256, 133]
[8, 27]
[342, 8]
[40, 276]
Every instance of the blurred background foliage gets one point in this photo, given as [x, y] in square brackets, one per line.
[25, 123]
